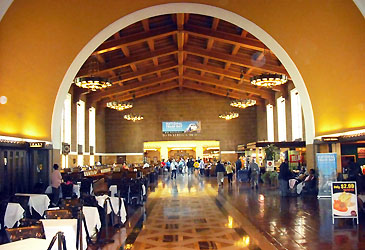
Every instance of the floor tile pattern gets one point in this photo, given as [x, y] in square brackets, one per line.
[189, 220]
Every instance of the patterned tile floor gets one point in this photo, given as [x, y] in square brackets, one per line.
[193, 213]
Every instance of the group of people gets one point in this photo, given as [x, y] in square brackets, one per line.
[303, 184]
[221, 169]
[183, 166]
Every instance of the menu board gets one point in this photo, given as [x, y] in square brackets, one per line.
[344, 200]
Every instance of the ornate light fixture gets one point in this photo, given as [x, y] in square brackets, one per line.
[120, 106]
[242, 104]
[269, 80]
[92, 82]
[229, 115]
[133, 117]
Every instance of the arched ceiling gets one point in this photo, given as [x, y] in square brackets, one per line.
[185, 51]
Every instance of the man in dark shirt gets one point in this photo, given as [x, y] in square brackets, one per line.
[220, 173]
[190, 165]
[284, 176]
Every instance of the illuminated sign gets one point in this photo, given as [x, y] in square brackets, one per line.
[361, 153]
[184, 127]
[36, 144]
[329, 139]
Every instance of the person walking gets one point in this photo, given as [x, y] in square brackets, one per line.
[173, 169]
[201, 167]
[229, 170]
[254, 170]
[168, 165]
[56, 180]
[196, 165]
[220, 173]
[284, 176]
[190, 166]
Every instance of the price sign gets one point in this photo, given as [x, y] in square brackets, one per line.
[344, 200]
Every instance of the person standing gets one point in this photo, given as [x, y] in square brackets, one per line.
[229, 170]
[56, 180]
[254, 170]
[220, 173]
[201, 167]
[190, 166]
[238, 164]
[284, 176]
[196, 165]
[173, 169]
[168, 165]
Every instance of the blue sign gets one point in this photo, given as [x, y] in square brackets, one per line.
[181, 127]
[327, 172]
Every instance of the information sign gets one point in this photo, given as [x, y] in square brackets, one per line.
[327, 173]
[344, 200]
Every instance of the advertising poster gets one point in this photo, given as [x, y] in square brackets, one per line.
[327, 173]
[181, 127]
[344, 200]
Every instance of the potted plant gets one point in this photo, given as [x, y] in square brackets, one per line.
[266, 178]
[271, 152]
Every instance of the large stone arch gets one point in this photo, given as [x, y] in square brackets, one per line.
[195, 8]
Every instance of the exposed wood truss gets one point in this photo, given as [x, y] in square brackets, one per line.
[182, 51]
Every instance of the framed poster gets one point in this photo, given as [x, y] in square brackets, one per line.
[344, 200]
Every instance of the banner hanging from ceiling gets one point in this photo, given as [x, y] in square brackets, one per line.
[181, 127]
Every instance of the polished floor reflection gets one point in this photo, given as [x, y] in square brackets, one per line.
[193, 213]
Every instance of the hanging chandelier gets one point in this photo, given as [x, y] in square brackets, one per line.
[93, 83]
[269, 80]
[120, 106]
[133, 117]
[229, 115]
[242, 104]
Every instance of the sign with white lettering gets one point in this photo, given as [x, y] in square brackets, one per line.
[344, 200]
[184, 127]
[36, 144]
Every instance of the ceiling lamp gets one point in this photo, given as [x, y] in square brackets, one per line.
[269, 80]
[229, 115]
[120, 106]
[92, 83]
[133, 117]
[242, 104]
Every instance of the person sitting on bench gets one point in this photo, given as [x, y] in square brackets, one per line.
[310, 184]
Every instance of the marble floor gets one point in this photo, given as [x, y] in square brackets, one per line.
[192, 212]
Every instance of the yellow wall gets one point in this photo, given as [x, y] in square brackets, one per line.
[40, 39]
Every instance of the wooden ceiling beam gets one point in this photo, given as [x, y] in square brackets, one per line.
[141, 93]
[120, 63]
[96, 96]
[241, 61]
[180, 20]
[219, 92]
[213, 70]
[215, 23]
[225, 37]
[150, 42]
[144, 72]
[266, 94]
[136, 38]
